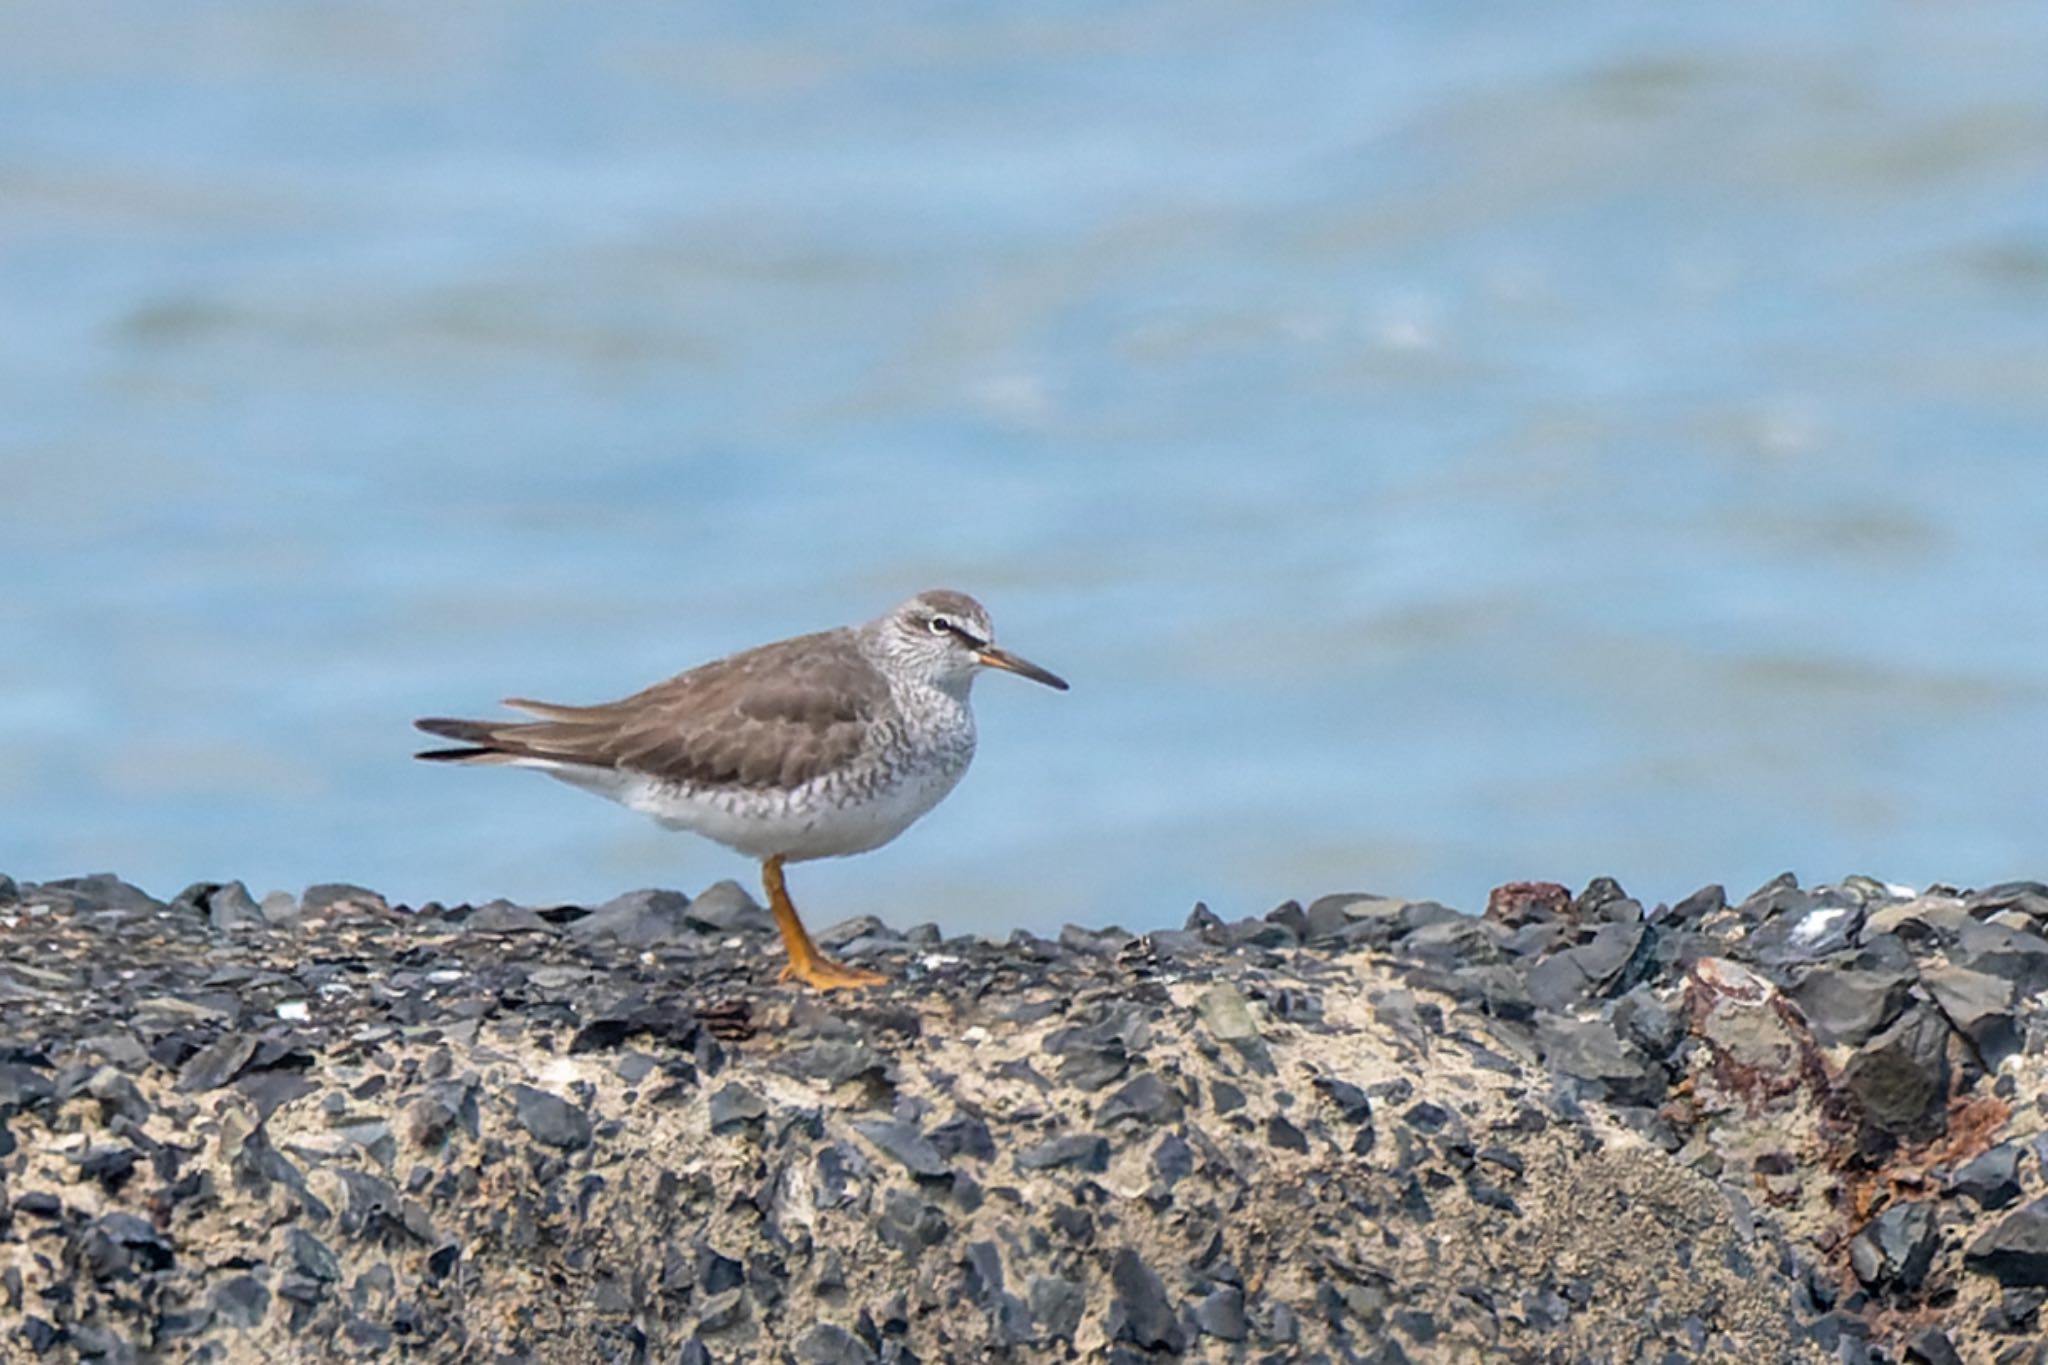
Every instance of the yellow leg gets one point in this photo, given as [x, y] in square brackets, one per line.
[806, 963]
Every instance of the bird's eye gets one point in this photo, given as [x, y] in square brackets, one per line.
[941, 626]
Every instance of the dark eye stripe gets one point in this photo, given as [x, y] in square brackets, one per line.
[963, 636]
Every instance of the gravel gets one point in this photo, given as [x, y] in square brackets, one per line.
[1801, 1125]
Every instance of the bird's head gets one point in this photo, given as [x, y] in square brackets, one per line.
[945, 638]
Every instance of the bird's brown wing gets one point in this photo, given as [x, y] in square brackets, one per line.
[781, 714]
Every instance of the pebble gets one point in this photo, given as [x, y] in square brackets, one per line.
[551, 1119]
[906, 1144]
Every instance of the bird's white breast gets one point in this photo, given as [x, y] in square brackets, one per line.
[851, 810]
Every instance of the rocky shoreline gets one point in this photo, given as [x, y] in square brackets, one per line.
[1809, 1125]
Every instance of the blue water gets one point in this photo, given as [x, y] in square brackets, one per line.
[1442, 443]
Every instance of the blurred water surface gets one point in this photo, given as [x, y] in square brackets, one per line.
[1443, 443]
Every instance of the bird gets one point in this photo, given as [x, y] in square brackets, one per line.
[818, 746]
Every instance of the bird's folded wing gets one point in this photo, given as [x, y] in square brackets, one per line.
[782, 715]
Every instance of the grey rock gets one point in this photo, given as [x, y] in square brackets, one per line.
[324, 896]
[1141, 1313]
[1172, 1159]
[1900, 1077]
[100, 891]
[1069, 1150]
[1058, 1304]
[964, 1135]
[734, 1105]
[637, 919]
[1807, 933]
[1980, 1006]
[1897, 1246]
[722, 1311]
[717, 1272]
[1227, 1014]
[1708, 900]
[1645, 1021]
[216, 1064]
[1931, 1346]
[1992, 1180]
[1615, 958]
[551, 1119]
[726, 908]
[835, 1061]
[1351, 1102]
[280, 908]
[2014, 1250]
[1848, 1005]
[906, 1144]
[503, 917]
[232, 907]
[241, 1302]
[1589, 1051]
[828, 1343]
[910, 1224]
[311, 1255]
[1144, 1098]
[1221, 1314]
[2019, 956]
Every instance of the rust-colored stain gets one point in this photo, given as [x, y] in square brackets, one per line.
[1516, 903]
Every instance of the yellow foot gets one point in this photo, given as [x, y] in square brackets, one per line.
[824, 974]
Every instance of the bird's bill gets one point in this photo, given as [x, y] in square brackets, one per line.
[1004, 659]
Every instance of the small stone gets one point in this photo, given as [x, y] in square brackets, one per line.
[1073, 1150]
[101, 891]
[1058, 1304]
[1141, 1313]
[735, 1105]
[1351, 1102]
[828, 1343]
[241, 1302]
[907, 1144]
[1980, 1006]
[1426, 1117]
[551, 1119]
[1897, 1247]
[726, 908]
[1992, 1179]
[2014, 1251]
[216, 1064]
[1900, 1077]
[834, 1061]
[1589, 1051]
[721, 1311]
[1221, 1314]
[1229, 1018]
[717, 1272]
[1847, 1005]
[637, 919]
[503, 917]
[1805, 933]
[910, 1224]
[1931, 1346]
[1284, 1135]
[311, 1255]
[964, 1135]
[232, 907]
[1648, 1023]
[325, 896]
[1145, 1098]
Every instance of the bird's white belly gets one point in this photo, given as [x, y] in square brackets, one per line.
[821, 819]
